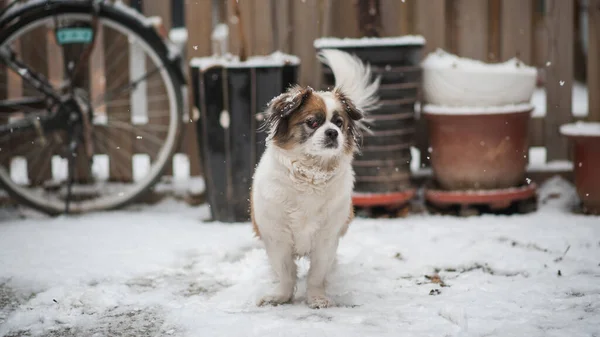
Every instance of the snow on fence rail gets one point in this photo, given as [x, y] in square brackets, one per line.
[539, 32]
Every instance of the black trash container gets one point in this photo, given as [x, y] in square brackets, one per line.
[230, 96]
[384, 164]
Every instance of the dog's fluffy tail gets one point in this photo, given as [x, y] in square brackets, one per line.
[353, 78]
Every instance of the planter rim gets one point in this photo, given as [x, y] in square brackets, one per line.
[275, 59]
[443, 60]
[581, 129]
[431, 109]
[382, 199]
[443, 197]
[365, 42]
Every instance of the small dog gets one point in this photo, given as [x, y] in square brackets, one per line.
[301, 196]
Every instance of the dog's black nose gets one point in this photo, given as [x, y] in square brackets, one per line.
[331, 133]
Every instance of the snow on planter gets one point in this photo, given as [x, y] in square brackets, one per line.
[455, 81]
[476, 110]
[334, 42]
[275, 59]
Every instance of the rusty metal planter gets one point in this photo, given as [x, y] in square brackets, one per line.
[230, 98]
[383, 166]
[478, 151]
[586, 158]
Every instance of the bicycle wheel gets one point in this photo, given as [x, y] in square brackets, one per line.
[130, 89]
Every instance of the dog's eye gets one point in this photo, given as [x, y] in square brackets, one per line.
[339, 123]
[312, 123]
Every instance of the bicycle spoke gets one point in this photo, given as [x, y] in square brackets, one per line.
[149, 114]
[145, 134]
[122, 169]
[125, 102]
[119, 89]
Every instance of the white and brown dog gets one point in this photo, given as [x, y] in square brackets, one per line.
[302, 187]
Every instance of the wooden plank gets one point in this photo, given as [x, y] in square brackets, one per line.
[540, 40]
[344, 21]
[245, 19]
[369, 18]
[559, 76]
[495, 26]
[283, 25]
[471, 28]
[35, 56]
[407, 17]
[264, 37]
[160, 8]
[391, 17]
[517, 25]
[199, 27]
[304, 36]
[158, 111]
[119, 140]
[431, 23]
[593, 59]
[536, 132]
[5, 84]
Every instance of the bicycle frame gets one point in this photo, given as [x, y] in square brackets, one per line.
[50, 99]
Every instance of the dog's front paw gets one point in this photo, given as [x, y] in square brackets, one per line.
[320, 302]
[274, 299]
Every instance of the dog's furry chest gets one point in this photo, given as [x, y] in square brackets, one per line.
[303, 208]
[310, 216]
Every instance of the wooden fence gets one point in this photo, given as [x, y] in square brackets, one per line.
[543, 33]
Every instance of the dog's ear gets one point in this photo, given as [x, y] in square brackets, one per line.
[351, 109]
[282, 107]
[290, 101]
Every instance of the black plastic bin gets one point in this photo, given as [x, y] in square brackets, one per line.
[384, 164]
[230, 95]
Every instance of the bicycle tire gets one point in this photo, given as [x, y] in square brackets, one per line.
[22, 15]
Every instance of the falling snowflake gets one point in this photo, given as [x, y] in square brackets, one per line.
[561, 83]
[195, 47]
[528, 180]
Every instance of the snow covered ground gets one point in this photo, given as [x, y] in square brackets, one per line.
[162, 271]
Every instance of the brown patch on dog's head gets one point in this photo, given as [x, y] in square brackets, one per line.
[291, 110]
[300, 114]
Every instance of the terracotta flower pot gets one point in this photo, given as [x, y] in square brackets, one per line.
[585, 137]
[478, 148]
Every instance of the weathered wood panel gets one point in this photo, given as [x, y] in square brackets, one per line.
[495, 30]
[305, 32]
[517, 25]
[471, 21]
[263, 36]
[199, 27]
[593, 59]
[35, 56]
[559, 76]
[118, 141]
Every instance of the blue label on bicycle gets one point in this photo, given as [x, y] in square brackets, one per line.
[74, 35]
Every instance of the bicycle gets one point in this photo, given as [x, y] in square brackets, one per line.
[97, 131]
